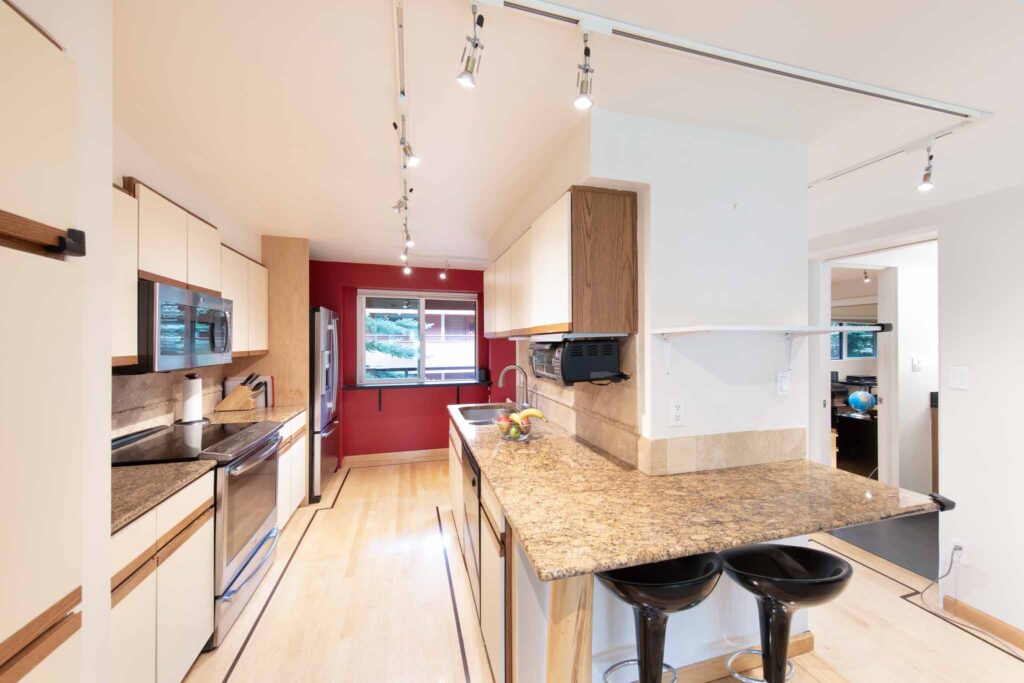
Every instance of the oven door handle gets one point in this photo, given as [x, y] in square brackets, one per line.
[274, 536]
[249, 463]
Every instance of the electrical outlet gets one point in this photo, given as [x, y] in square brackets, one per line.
[915, 365]
[677, 415]
[782, 380]
[963, 558]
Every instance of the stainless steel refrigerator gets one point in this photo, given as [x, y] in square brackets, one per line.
[324, 374]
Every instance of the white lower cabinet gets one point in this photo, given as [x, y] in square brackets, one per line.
[133, 633]
[492, 599]
[63, 664]
[299, 478]
[184, 603]
[455, 488]
[284, 486]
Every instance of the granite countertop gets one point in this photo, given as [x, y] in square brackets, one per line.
[137, 489]
[577, 511]
[275, 414]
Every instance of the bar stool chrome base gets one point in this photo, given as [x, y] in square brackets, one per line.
[636, 662]
[790, 670]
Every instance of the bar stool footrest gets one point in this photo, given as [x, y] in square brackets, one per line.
[636, 662]
[790, 669]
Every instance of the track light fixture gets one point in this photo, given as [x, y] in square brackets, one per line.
[467, 79]
[926, 180]
[584, 78]
[409, 158]
[407, 270]
[444, 273]
[405, 255]
[409, 243]
[867, 278]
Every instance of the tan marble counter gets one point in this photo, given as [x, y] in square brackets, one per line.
[275, 414]
[137, 489]
[577, 511]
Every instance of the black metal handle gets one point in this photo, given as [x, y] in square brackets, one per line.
[72, 245]
[943, 502]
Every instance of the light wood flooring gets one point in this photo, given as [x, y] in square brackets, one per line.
[364, 584]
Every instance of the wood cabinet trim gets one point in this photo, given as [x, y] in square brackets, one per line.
[203, 290]
[166, 539]
[494, 531]
[258, 263]
[165, 552]
[121, 189]
[130, 184]
[42, 647]
[132, 582]
[291, 440]
[122, 575]
[47, 620]
[260, 352]
[31, 22]
[604, 190]
[118, 361]
[540, 329]
[153, 277]
[28, 235]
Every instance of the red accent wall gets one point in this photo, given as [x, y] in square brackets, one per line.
[398, 419]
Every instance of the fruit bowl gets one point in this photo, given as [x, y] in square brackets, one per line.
[517, 426]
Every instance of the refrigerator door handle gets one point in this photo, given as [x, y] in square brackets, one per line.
[331, 428]
[333, 327]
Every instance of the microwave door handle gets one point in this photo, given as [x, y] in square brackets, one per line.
[249, 463]
[229, 335]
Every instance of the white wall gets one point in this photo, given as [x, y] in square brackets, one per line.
[131, 158]
[917, 336]
[726, 244]
[980, 243]
[85, 29]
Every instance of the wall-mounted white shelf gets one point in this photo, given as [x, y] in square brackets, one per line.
[789, 331]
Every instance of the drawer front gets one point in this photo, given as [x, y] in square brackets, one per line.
[132, 546]
[453, 435]
[183, 504]
[294, 425]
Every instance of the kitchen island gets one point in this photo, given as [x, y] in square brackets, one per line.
[573, 511]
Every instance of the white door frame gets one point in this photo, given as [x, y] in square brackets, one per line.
[820, 390]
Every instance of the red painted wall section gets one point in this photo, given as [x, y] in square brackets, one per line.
[396, 419]
[502, 354]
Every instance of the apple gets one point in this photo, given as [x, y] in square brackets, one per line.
[503, 424]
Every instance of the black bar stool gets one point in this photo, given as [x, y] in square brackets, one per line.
[654, 591]
[783, 578]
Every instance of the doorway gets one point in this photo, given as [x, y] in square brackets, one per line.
[877, 392]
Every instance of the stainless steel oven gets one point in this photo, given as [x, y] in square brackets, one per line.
[245, 532]
[180, 329]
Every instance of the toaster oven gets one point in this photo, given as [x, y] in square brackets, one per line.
[577, 360]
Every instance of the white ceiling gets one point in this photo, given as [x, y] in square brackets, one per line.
[285, 114]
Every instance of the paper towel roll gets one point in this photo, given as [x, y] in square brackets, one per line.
[192, 398]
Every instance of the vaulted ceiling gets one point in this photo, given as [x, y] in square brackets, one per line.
[283, 110]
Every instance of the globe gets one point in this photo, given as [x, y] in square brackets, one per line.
[861, 401]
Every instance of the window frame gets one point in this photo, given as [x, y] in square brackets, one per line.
[845, 340]
[422, 296]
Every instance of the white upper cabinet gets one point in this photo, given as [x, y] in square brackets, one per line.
[549, 303]
[489, 328]
[259, 304]
[163, 237]
[235, 286]
[204, 259]
[520, 277]
[125, 346]
[502, 293]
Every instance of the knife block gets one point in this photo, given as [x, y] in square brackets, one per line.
[240, 398]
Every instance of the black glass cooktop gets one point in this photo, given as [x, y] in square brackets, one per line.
[176, 443]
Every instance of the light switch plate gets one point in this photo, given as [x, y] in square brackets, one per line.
[915, 365]
[782, 381]
[959, 378]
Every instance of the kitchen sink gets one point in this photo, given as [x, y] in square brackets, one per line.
[484, 414]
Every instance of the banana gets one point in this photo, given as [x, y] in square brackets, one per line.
[531, 413]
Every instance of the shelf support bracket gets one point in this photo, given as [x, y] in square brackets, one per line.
[666, 341]
[789, 352]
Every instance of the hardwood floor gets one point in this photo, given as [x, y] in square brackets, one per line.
[363, 590]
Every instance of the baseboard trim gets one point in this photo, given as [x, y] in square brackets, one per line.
[398, 458]
[974, 616]
[714, 668]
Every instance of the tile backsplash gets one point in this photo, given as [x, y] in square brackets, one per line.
[143, 401]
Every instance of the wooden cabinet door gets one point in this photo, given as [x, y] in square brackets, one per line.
[184, 602]
[133, 632]
[521, 283]
[163, 237]
[492, 599]
[125, 276]
[235, 286]
[284, 486]
[299, 478]
[550, 300]
[38, 126]
[259, 302]
[502, 294]
[489, 301]
[455, 490]
[204, 258]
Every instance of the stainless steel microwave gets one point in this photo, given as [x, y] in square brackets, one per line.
[180, 329]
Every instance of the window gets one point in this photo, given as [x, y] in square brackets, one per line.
[413, 337]
[853, 344]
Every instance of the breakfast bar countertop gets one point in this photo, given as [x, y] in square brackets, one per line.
[137, 489]
[577, 511]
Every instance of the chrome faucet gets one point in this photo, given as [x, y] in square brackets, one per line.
[526, 383]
